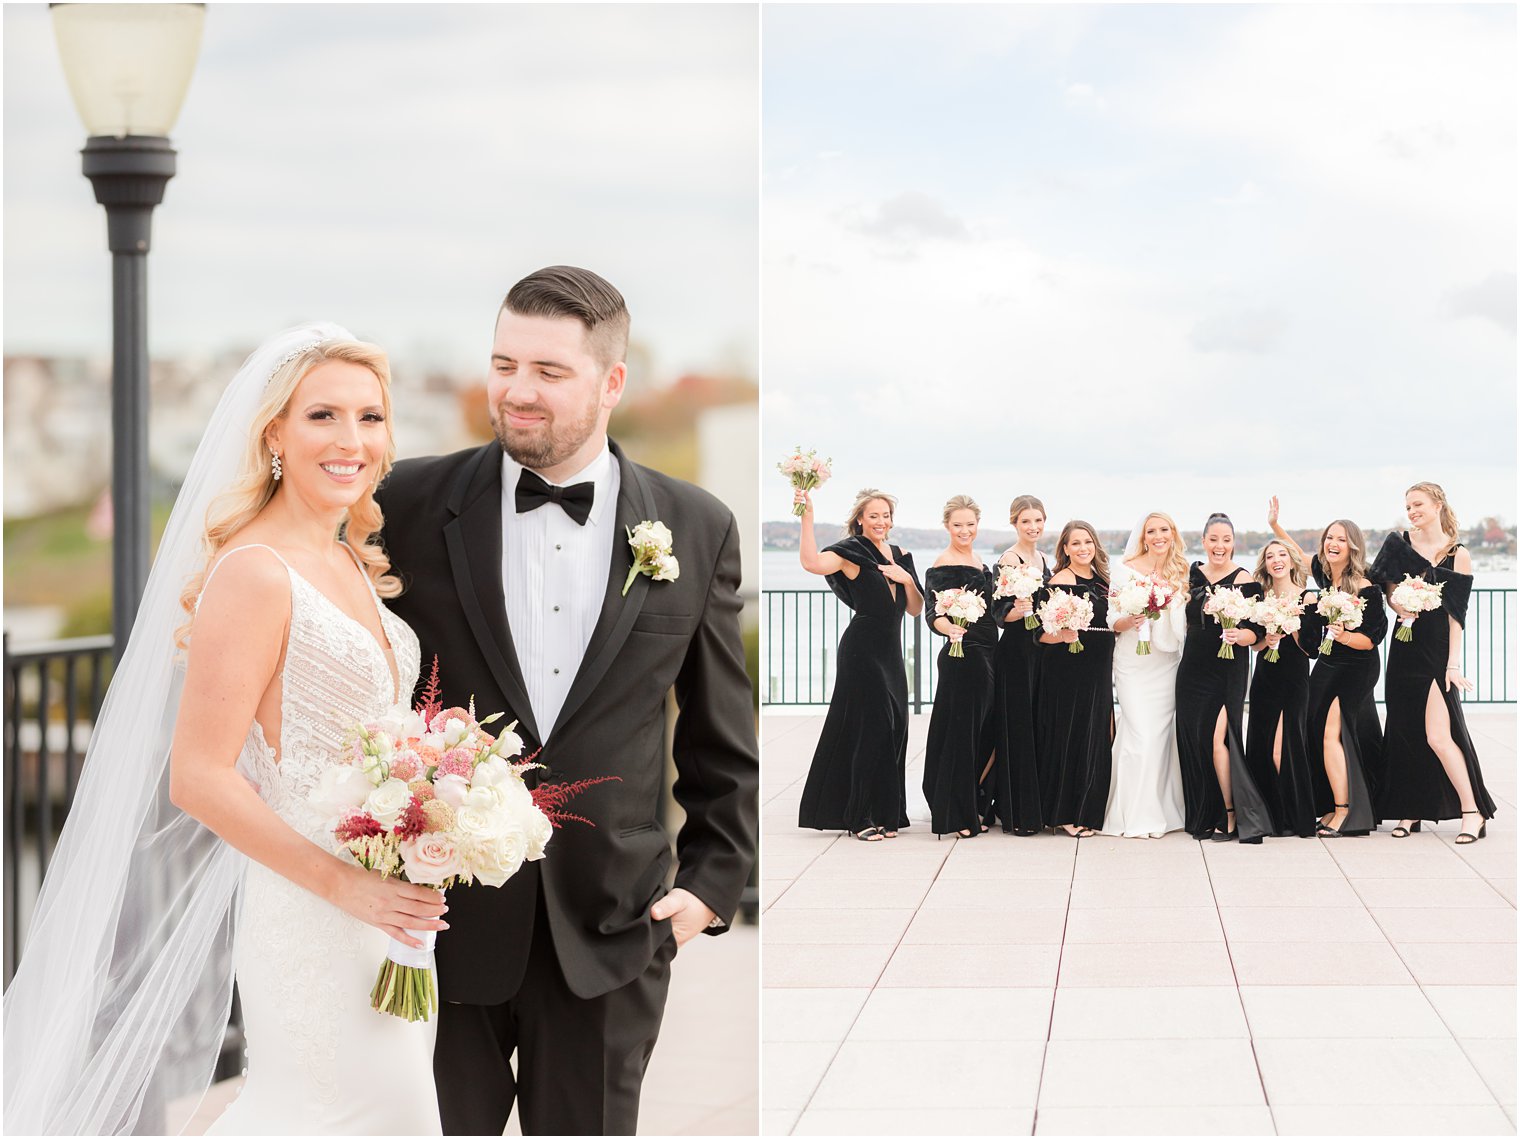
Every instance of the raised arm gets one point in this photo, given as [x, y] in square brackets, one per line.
[1282, 535]
[238, 640]
[813, 560]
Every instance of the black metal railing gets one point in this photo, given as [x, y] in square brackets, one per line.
[801, 630]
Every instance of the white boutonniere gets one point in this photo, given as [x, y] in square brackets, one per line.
[651, 542]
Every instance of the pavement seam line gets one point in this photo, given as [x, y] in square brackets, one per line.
[1055, 990]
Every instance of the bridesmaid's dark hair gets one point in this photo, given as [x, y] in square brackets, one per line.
[1100, 555]
[869, 494]
[1218, 517]
[1022, 503]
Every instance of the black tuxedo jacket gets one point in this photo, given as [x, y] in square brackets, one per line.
[443, 535]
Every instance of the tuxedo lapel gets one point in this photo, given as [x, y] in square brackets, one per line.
[473, 540]
[618, 613]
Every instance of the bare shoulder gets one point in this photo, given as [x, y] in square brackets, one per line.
[1063, 577]
[245, 581]
[1461, 560]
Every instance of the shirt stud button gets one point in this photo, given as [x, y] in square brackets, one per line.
[556, 672]
[556, 608]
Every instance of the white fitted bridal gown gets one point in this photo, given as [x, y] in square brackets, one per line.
[1145, 788]
[320, 1060]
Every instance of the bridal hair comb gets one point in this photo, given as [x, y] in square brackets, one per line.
[289, 356]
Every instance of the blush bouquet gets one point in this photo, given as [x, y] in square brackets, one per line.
[1415, 595]
[1019, 581]
[432, 798]
[963, 606]
[806, 472]
[1229, 607]
[1147, 597]
[1064, 610]
[1338, 607]
[1277, 614]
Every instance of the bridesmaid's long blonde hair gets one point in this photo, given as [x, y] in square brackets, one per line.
[1448, 516]
[255, 484]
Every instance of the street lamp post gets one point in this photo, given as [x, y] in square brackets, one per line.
[128, 67]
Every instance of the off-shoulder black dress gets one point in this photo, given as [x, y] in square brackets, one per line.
[1074, 720]
[955, 753]
[1207, 682]
[1416, 786]
[856, 778]
[1348, 675]
[1280, 695]
[1013, 784]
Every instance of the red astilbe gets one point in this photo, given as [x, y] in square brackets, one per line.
[431, 702]
[550, 798]
[412, 820]
[360, 824]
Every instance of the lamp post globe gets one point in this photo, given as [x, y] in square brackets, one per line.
[128, 67]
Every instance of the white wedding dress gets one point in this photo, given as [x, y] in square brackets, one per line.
[1145, 788]
[320, 1060]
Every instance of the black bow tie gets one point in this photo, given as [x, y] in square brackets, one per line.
[533, 492]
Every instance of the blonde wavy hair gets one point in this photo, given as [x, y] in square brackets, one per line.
[869, 494]
[1448, 517]
[255, 484]
[1356, 556]
[1175, 567]
[1298, 573]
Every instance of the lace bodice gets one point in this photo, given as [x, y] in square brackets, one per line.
[336, 675]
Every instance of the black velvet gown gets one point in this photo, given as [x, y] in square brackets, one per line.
[1416, 786]
[1206, 682]
[856, 778]
[955, 753]
[1348, 675]
[1074, 719]
[1280, 694]
[1013, 784]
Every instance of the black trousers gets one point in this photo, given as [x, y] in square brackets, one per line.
[580, 1063]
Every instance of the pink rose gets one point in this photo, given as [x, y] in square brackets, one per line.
[431, 859]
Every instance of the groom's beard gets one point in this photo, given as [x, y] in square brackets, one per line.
[548, 443]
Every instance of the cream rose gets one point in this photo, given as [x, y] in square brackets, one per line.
[387, 801]
[539, 831]
[495, 857]
[452, 789]
[431, 859]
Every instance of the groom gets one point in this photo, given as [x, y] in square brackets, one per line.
[515, 558]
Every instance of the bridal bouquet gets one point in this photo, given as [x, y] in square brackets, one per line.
[1019, 581]
[806, 472]
[1063, 610]
[963, 606]
[431, 797]
[1277, 614]
[1147, 597]
[1338, 607]
[1415, 595]
[1229, 607]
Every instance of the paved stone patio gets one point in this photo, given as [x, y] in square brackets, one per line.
[1052, 986]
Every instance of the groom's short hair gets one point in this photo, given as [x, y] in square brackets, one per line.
[564, 290]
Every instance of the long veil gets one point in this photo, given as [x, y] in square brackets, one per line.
[125, 982]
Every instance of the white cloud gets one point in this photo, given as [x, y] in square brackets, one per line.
[1492, 298]
[1082, 97]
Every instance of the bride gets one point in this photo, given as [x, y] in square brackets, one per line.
[1145, 792]
[191, 850]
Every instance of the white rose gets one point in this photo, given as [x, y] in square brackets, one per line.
[494, 858]
[655, 534]
[431, 859]
[387, 801]
[340, 789]
[508, 744]
[539, 831]
[666, 568]
[473, 821]
[487, 798]
[454, 733]
[451, 789]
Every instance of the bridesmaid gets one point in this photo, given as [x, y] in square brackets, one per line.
[1074, 721]
[855, 782]
[1145, 795]
[1433, 770]
[1345, 740]
[1277, 754]
[1014, 780]
[1220, 799]
[954, 757]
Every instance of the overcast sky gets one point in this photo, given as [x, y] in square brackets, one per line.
[1138, 257]
[396, 167]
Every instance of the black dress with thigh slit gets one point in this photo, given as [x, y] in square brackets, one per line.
[1415, 785]
[1013, 784]
[1349, 676]
[955, 753]
[856, 777]
[1280, 695]
[1207, 682]
[1074, 720]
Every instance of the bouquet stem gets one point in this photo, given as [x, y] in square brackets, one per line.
[1270, 656]
[1326, 645]
[1405, 631]
[1226, 650]
[1076, 646]
[1143, 646]
[405, 986]
[1031, 622]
